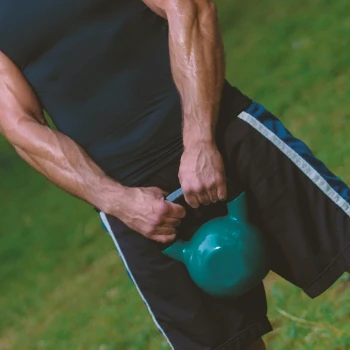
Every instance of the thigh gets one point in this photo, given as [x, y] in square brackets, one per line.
[302, 208]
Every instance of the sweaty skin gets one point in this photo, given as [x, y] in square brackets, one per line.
[67, 165]
[198, 68]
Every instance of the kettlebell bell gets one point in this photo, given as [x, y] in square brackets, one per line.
[226, 256]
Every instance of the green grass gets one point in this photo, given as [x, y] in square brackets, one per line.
[62, 283]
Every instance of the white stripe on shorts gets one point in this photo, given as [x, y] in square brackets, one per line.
[109, 229]
[300, 162]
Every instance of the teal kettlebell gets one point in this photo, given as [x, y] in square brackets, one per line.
[226, 256]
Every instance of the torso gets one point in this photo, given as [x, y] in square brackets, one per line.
[101, 70]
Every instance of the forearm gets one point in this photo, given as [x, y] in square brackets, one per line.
[198, 66]
[64, 163]
[143, 209]
[50, 152]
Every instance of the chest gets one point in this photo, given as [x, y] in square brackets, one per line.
[29, 28]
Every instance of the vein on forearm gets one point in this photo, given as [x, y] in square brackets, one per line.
[198, 66]
[55, 156]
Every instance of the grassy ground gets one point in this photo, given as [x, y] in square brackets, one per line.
[62, 284]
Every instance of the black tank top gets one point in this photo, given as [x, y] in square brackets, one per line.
[101, 70]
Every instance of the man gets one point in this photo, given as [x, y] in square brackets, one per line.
[137, 93]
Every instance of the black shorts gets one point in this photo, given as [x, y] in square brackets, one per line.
[301, 207]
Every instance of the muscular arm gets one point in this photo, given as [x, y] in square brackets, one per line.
[50, 152]
[67, 165]
[197, 61]
[198, 68]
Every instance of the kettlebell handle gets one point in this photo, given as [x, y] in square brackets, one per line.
[236, 206]
[175, 249]
[172, 197]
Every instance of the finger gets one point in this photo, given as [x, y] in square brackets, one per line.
[192, 200]
[213, 194]
[203, 198]
[155, 229]
[176, 211]
[164, 238]
[222, 191]
[164, 232]
[170, 222]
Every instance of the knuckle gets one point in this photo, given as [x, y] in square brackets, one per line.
[193, 188]
[219, 176]
[163, 208]
[203, 195]
[180, 212]
[186, 188]
[156, 221]
[198, 188]
[212, 184]
[212, 192]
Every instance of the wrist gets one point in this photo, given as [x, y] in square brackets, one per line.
[194, 145]
[198, 137]
[199, 131]
[109, 196]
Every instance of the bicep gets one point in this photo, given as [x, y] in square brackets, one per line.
[18, 101]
